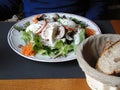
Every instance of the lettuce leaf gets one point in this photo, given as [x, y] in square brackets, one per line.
[63, 48]
[27, 36]
[81, 37]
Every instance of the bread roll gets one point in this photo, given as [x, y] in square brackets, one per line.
[109, 61]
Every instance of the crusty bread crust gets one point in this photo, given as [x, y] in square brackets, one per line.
[109, 61]
[107, 45]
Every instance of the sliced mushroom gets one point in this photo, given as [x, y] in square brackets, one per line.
[69, 36]
[60, 32]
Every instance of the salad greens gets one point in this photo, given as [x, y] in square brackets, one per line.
[22, 28]
[53, 35]
[61, 48]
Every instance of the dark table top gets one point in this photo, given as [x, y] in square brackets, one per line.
[14, 66]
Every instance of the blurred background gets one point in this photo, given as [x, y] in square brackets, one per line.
[112, 13]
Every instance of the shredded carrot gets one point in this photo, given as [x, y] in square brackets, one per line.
[90, 32]
[36, 18]
[27, 50]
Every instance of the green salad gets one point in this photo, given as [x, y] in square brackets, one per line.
[51, 35]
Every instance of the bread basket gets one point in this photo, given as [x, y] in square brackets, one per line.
[87, 55]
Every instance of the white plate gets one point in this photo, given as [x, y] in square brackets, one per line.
[14, 39]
